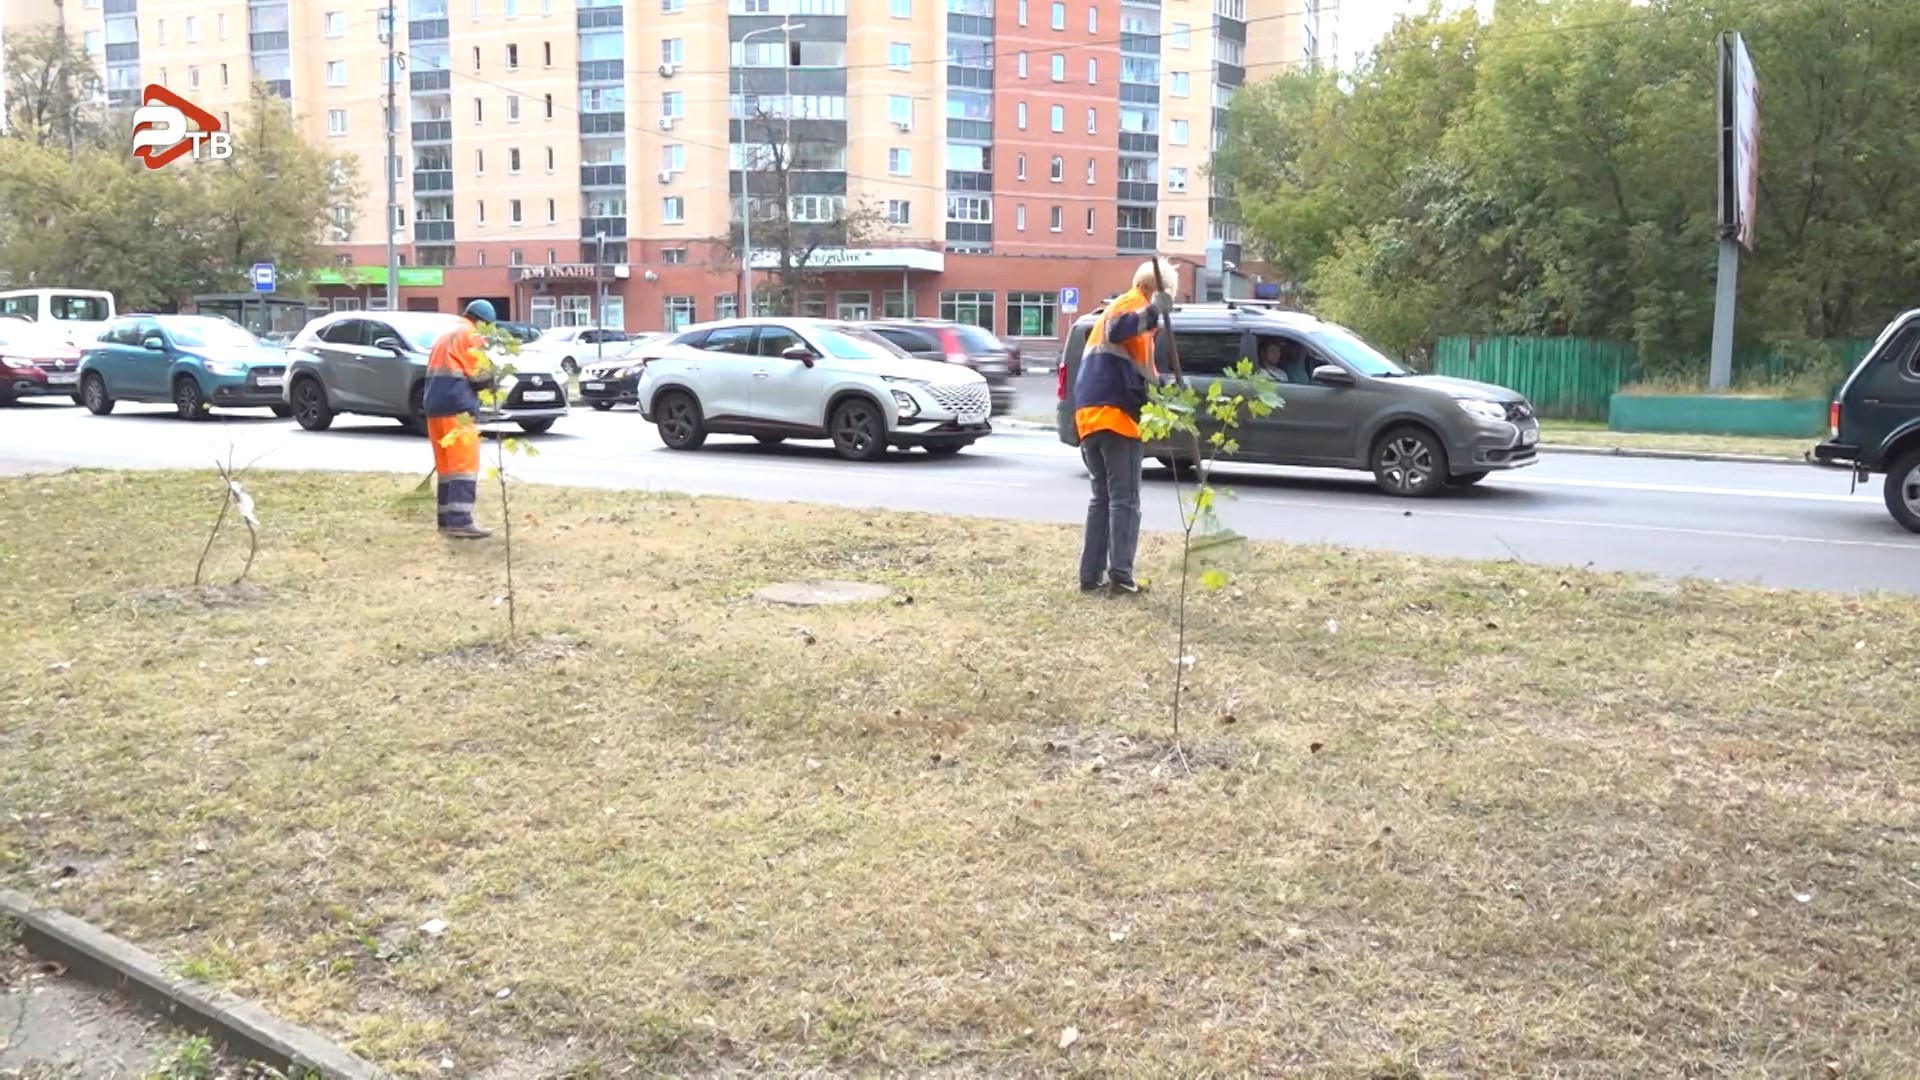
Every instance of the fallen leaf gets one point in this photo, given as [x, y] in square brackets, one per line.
[1314, 748]
[1069, 1036]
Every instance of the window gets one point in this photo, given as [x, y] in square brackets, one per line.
[223, 83]
[1020, 167]
[336, 120]
[1093, 121]
[513, 108]
[479, 110]
[513, 159]
[476, 58]
[1057, 169]
[899, 212]
[900, 56]
[1091, 171]
[1177, 178]
[900, 9]
[480, 212]
[513, 211]
[549, 159]
[896, 304]
[970, 208]
[513, 8]
[1093, 217]
[513, 57]
[546, 54]
[515, 258]
[1020, 65]
[193, 29]
[549, 106]
[1020, 116]
[1054, 219]
[1033, 314]
[1022, 13]
[1180, 35]
[479, 163]
[1057, 118]
[1207, 352]
[1020, 218]
[335, 24]
[673, 50]
[1179, 84]
[900, 110]
[673, 210]
[968, 306]
[553, 211]
[679, 312]
[1093, 20]
[673, 7]
[1177, 134]
[725, 305]
[193, 82]
[220, 27]
[673, 105]
[93, 42]
[673, 158]
[1176, 226]
[1057, 68]
[1059, 20]
[1093, 72]
[899, 162]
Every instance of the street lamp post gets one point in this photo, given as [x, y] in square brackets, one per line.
[599, 296]
[785, 30]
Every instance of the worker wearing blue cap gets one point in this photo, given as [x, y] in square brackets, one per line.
[456, 370]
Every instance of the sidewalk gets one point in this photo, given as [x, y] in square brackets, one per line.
[54, 1026]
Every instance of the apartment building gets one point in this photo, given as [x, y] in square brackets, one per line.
[581, 161]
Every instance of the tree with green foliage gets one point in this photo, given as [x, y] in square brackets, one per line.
[54, 91]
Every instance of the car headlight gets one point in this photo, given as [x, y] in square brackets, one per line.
[908, 406]
[224, 367]
[1485, 410]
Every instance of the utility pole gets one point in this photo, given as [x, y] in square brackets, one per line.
[600, 296]
[392, 29]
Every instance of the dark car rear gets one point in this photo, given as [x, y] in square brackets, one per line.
[616, 380]
[1876, 419]
[957, 343]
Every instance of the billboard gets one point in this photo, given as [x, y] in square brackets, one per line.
[1739, 141]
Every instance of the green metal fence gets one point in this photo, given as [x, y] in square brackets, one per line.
[1573, 378]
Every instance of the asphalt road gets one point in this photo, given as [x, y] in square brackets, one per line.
[1784, 525]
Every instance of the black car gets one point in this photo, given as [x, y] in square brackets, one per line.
[957, 343]
[616, 380]
[1876, 419]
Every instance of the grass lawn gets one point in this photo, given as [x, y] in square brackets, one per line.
[1577, 433]
[1443, 819]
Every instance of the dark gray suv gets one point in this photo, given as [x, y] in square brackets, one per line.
[1348, 406]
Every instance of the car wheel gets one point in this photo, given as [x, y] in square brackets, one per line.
[769, 440]
[1903, 490]
[93, 394]
[681, 425]
[310, 408]
[1179, 467]
[416, 419]
[859, 431]
[1409, 463]
[602, 406]
[570, 366]
[188, 401]
[536, 427]
[1467, 479]
[281, 411]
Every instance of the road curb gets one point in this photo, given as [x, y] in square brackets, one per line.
[247, 1030]
[1670, 455]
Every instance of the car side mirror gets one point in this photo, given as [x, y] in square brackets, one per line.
[1332, 375]
[798, 352]
[154, 343]
[391, 345]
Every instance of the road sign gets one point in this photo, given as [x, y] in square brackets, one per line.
[263, 277]
[1069, 300]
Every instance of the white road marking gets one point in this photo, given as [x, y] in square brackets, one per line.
[1687, 489]
[1514, 519]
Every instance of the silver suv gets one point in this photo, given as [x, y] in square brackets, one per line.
[375, 363]
[1348, 406]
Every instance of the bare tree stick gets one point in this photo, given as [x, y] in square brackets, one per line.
[226, 502]
[506, 510]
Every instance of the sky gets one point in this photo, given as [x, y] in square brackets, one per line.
[1364, 22]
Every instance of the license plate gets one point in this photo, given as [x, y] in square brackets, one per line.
[1529, 437]
[593, 386]
[62, 378]
[537, 395]
[271, 381]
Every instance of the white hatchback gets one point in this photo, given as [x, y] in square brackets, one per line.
[777, 379]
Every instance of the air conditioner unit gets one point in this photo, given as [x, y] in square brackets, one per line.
[667, 71]
[666, 176]
[666, 123]
[903, 125]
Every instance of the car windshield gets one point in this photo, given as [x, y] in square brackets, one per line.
[72, 307]
[556, 334]
[201, 333]
[1357, 354]
[421, 333]
[853, 343]
[22, 334]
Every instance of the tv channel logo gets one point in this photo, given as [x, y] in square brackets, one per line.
[161, 134]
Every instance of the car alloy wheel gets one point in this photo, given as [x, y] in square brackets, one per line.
[93, 394]
[188, 400]
[681, 427]
[310, 405]
[859, 434]
[1903, 491]
[1409, 464]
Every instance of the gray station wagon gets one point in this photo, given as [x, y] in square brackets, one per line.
[1348, 406]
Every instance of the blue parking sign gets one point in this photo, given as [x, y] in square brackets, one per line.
[1069, 300]
[263, 277]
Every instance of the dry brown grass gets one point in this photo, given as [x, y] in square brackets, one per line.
[1566, 433]
[1445, 819]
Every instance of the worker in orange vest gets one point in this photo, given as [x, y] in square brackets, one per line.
[456, 371]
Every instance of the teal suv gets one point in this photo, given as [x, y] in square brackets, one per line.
[196, 363]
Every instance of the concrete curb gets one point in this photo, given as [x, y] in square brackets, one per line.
[246, 1029]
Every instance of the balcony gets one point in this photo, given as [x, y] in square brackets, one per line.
[980, 131]
[433, 232]
[432, 131]
[969, 181]
[1133, 241]
[427, 180]
[123, 54]
[969, 26]
[1134, 191]
[1139, 45]
[614, 227]
[601, 18]
[438, 80]
[280, 88]
[1139, 94]
[1134, 142]
[603, 123]
[269, 41]
[425, 30]
[969, 78]
[970, 233]
[603, 71]
[603, 176]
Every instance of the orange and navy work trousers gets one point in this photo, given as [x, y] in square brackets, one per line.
[456, 468]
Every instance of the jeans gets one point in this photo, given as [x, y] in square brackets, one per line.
[1113, 515]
